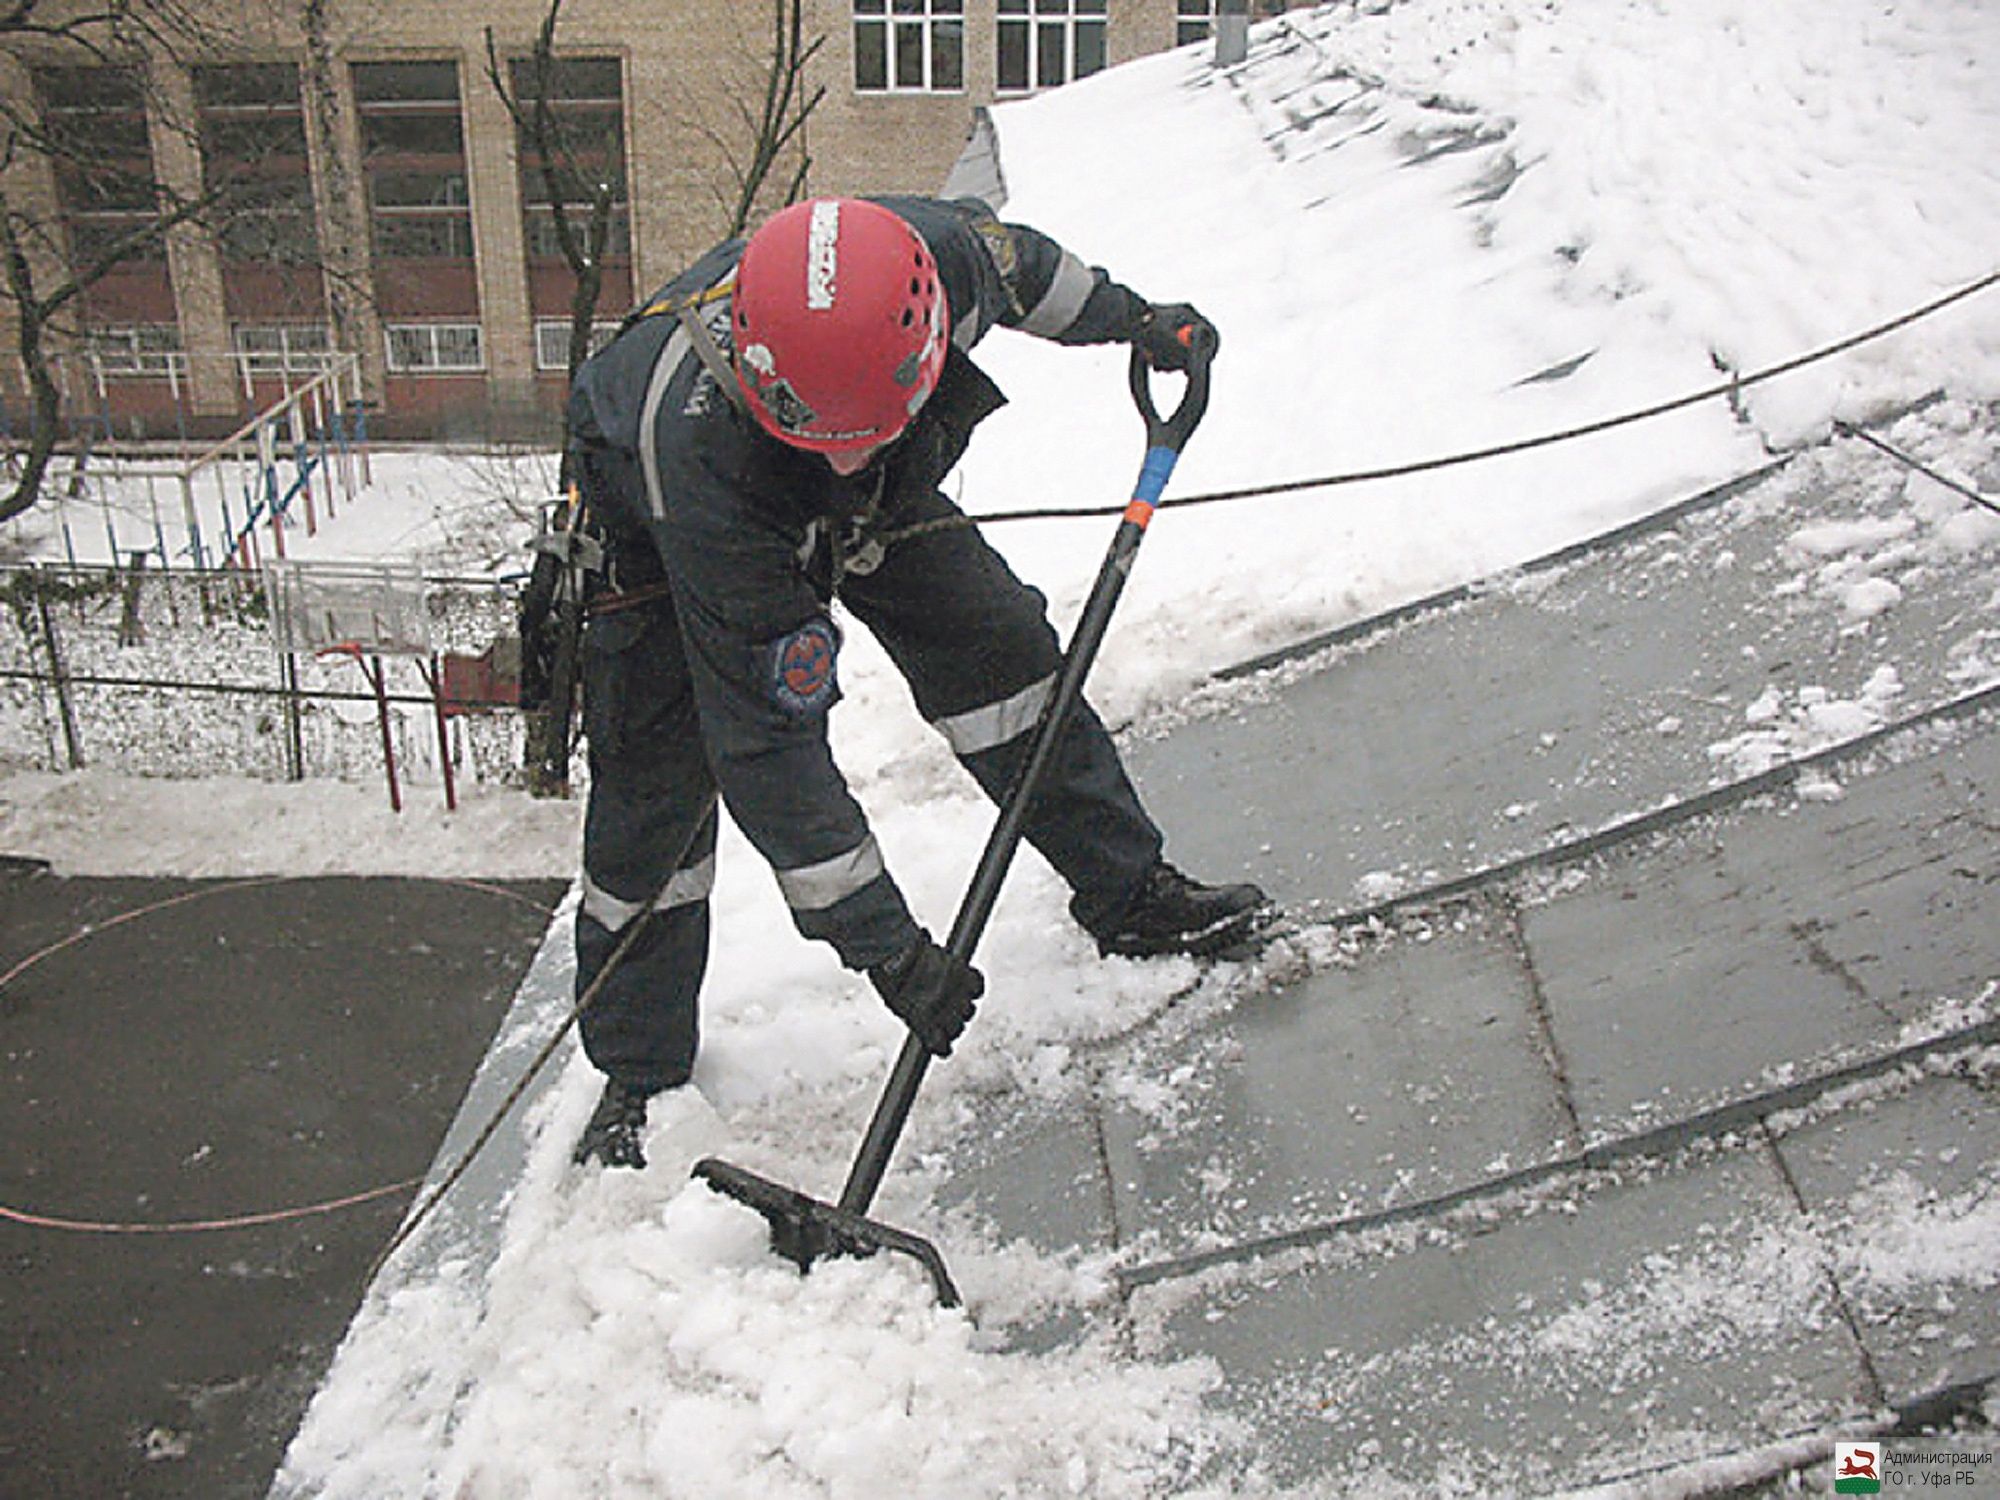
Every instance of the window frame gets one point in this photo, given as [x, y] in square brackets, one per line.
[100, 109]
[251, 127]
[1194, 21]
[136, 350]
[397, 146]
[596, 117]
[1033, 24]
[552, 341]
[302, 348]
[433, 333]
[925, 23]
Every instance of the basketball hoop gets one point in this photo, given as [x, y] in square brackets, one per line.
[328, 607]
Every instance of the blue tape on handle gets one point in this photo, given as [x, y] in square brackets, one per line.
[1154, 474]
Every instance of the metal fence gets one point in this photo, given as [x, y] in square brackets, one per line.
[182, 675]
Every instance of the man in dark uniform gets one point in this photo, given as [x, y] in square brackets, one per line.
[742, 444]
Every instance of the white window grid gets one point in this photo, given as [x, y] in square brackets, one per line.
[1194, 21]
[919, 46]
[434, 348]
[140, 349]
[1046, 43]
[552, 341]
[283, 348]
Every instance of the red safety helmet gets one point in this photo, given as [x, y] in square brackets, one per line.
[840, 325]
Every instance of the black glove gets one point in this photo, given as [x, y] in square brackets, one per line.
[1170, 334]
[931, 992]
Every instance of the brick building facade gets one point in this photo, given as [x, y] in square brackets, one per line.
[393, 214]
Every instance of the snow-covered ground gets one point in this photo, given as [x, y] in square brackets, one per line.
[1689, 189]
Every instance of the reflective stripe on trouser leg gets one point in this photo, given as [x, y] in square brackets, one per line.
[643, 1026]
[686, 886]
[995, 724]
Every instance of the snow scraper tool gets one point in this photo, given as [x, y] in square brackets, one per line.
[805, 1229]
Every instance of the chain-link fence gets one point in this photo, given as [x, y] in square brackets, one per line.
[182, 675]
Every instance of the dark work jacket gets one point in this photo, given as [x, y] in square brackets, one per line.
[690, 488]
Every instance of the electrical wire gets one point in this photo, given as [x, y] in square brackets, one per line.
[1725, 388]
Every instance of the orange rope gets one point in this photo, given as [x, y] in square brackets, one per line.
[199, 1226]
[239, 1221]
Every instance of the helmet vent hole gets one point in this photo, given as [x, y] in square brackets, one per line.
[908, 317]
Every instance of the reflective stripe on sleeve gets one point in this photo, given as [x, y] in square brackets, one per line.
[613, 912]
[1068, 291]
[816, 887]
[995, 724]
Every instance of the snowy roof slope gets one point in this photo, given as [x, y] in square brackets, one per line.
[1680, 183]
[1399, 214]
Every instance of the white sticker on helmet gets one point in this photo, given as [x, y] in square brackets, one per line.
[822, 254]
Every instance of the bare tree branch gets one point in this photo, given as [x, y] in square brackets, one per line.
[35, 278]
[784, 114]
[531, 103]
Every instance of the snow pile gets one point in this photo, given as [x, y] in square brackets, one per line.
[635, 1333]
[1786, 726]
[1906, 1237]
[639, 1338]
[1914, 524]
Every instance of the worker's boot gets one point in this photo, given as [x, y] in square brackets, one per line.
[1173, 914]
[615, 1129]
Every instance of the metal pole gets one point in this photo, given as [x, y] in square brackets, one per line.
[893, 1110]
[70, 741]
[295, 738]
[433, 676]
[1232, 32]
[159, 529]
[302, 461]
[193, 521]
[378, 679]
[267, 460]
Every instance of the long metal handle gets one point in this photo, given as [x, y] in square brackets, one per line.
[1165, 438]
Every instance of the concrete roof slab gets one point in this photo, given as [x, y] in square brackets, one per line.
[1871, 1173]
[1671, 1316]
[1414, 1071]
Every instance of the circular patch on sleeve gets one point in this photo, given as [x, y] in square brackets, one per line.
[802, 676]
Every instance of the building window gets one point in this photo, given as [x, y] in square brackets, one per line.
[586, 137]
[1194, 20]
[102, 157]
[1044, 43]
[552, 341]
[253, 151]
[413, 152]
[909, 46]
[434, 348]
[142, 349]
[283, 348]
